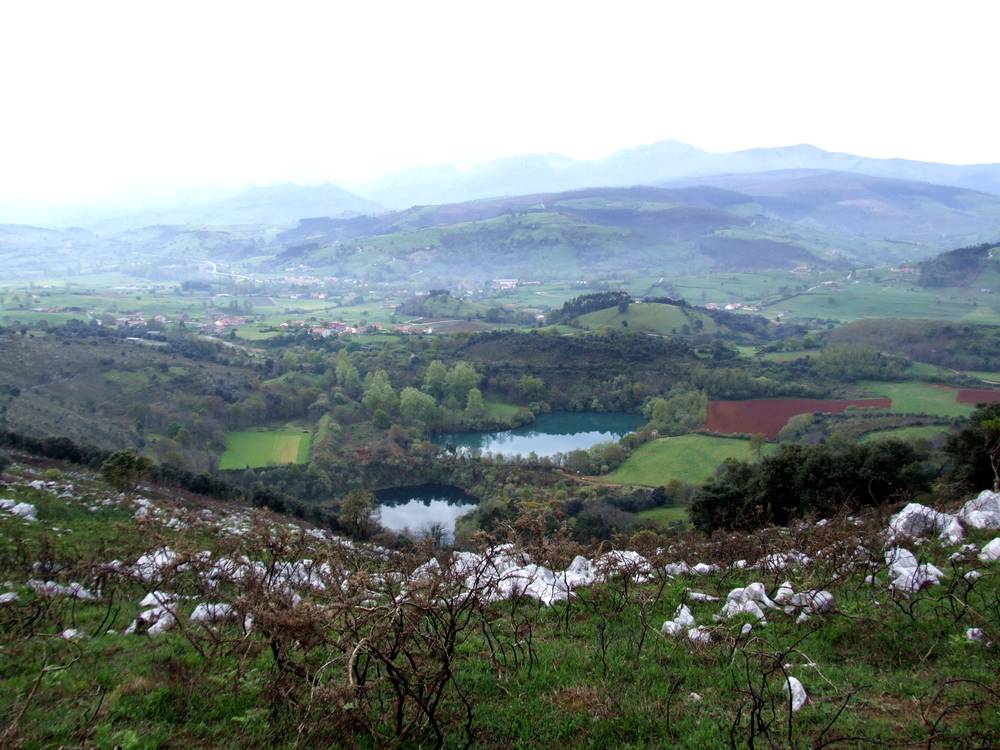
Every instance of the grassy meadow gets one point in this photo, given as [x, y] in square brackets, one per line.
[914, 397]
[651, 317]
[255, 448]
[688, 458]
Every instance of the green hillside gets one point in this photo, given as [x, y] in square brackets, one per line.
[652, 317]
[162, 622]
[562, 235]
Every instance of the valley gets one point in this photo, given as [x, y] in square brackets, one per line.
[558, 425]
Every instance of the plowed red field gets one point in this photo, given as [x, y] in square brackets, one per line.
[769, 415]
[977, 396]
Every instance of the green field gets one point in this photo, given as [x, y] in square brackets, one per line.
[652, 317]
[664, 516]
[919, 432]
[254, 448]
[914, 397]
[867, 300]
[689, 458]
[500, 410]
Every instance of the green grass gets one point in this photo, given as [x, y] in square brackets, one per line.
[689, 458]
[254, 448]
[595, 673]
[130, 381]
[500, 410]
[914, 397]
[917, 432]
[254, 333]
[851, 302]
[786, 356]
[664, 516]
[651, 317]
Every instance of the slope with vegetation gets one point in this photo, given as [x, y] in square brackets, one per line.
[153, 619]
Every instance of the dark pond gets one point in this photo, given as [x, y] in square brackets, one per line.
[556, 432]
[418, 507]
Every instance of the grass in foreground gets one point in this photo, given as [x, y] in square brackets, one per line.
[688, 458]
[593, 673]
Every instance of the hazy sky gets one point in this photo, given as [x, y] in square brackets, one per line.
[103, 98]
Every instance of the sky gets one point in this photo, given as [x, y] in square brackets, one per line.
[105, 99]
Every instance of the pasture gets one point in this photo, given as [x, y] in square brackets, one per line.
[867, 300]
[915, 397]
[256, 448]
[688, 458]
[664, 516]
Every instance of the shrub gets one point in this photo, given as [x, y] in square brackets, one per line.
[802, 480]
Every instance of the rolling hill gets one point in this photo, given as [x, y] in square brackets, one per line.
[649, 317]
[853, 204]
[964, 267]
[572, 234]
[730, 223]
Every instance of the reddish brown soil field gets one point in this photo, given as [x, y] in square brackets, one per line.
[977, 396]
[769, 415]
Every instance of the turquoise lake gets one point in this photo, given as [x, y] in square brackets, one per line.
[549, 434]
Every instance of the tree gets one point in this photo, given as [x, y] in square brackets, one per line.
[359, 513]
[347, 374]
[417, 406]
[461, 379]
[125, 469]
[530, 388]
[379, 393]
[475, 408]
[804, 480]
[435, 377]
[757, 442]
[971, 465]
[680, 412]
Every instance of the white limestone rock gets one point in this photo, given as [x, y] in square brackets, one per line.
[991, 551]
[683, 620]
[797, 693]
[982, 512]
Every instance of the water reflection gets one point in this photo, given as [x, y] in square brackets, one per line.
[423, 508]
[549, 434]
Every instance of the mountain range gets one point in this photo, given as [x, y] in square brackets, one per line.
[652, 164]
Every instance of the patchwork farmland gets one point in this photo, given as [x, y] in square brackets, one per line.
[768, 415]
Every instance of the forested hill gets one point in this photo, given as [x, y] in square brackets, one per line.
[761, 222]
[961, 267]
[571, 234]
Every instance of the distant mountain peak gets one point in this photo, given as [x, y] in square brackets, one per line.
[656, 163]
